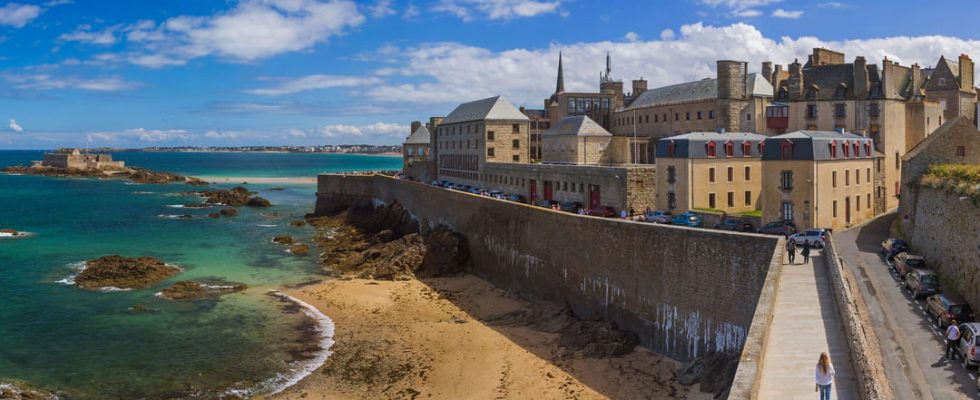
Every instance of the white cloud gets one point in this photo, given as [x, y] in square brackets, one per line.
[750, 13]
[55, 3]
[313, 82]
[100, 137]
[222, 134]
[436, 76]
[832, 4]
[155, 135]
[411, 12]
[740, 8]
[14, 126]
[788, 14]
[18, 15]
[377, 129]
[252, 30]
[84, 34]
[51, 82]
[632, 36]
[296, 133]
[667, 34]
[381, 9]
[468, 10]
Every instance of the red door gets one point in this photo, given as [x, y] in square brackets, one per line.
[532, 190]
[547, 190]
[594, 196]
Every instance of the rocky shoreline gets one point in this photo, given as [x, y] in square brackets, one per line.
[18, 391]
[124, 273]
[196, 290]
[133, 174]
[12, 233]
[234, 197]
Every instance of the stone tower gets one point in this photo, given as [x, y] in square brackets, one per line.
[795, 86]
[560, 85]
[861, 83]
[732, 94]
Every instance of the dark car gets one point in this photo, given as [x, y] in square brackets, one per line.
[735, 224]
[905, 262]
[891, 247]
[545, 203]
[947, 307]
[570, 206]
[602, 211]
[922, 282]
[515, 197]
[785, 228]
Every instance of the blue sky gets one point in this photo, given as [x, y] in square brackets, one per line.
[238, 72]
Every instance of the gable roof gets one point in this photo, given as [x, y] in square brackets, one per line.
[707, 88]
[577, 125]
[420, 136]
[493, 108]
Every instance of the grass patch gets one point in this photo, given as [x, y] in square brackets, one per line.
[753, 213]
[961, 180]
[710, 210]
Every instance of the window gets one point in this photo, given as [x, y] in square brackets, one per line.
[898, 161]
[847, 151]
[847, 178]
[811, 111]
[746, 148]
[961, 151]
[840, 110]
[517, 158]
[786, 180]
[833, 179]
[873, 110]
[835, 208]
[857, 149]
[670, 148]
[664, 118]
[710, 148]
[833, 148]
[711, 174]
[857, 176]
[671, 200]
[867, 149]
[748, 173]
[517, 143]
[748, 117]
[699, 115]
[489, 136]
[942, 81]
[564, 186]
[731, 199]
[748, 197]
[869, 200]
[517, 128]
[857, 203]
[731, 174]
[786, 149]
[677, 116]
[711, 200]
[729, 149]
[671, 174]
[656, 118]
[787, 211]
[868, 174]
[687, 116]
[711, 114]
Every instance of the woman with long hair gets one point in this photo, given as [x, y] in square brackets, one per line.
[824, 376]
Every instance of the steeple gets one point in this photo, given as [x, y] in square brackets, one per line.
[560, 86]
[608, 64]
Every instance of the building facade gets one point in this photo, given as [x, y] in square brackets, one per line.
[710, 171]
[478, 132]
[75, 159]
[622, 188]
[417, 153]
[950, 83]
[818, 179]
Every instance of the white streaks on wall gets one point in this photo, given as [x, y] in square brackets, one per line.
[514, 258]
[700, 335]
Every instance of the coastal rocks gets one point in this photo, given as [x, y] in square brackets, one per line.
[283, 239]
[11, 391]
[237, 196]
[194, 290]
[299, 249]
[258, 202]
[229, 212]
[297, 223]
[214, 215]
[593, 339]
[142, 175]
[134, 174]
[714, 371]
[123, 273]
[12, 233]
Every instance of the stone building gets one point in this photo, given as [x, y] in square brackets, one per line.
[733, 101]
[818, 179]
[576, 140]
[476, 133]
[64, 158]
[539, 122]
[710, 171]
[417, 153]
[950, 84]
[889, 105]
[599, 106]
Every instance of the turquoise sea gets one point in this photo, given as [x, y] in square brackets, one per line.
[89, 345]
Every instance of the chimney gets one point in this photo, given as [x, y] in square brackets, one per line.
[767, 70]
[776, 75]
[888, 79]
[916, 81]
[639, 86]
[861, 86]
[415, 126]
[795, 81]
[966, 73]
[433, 124]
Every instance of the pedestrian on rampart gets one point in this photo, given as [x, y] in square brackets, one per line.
[791, 250]
[806, 252]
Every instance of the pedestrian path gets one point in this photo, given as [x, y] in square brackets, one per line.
[804, 324]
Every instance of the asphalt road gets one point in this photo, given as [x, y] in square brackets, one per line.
[911, 343]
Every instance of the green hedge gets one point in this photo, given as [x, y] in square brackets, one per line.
[961, 180]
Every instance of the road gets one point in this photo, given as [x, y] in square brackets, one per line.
[911, 343]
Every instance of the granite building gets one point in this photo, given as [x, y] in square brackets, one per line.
[478, 132]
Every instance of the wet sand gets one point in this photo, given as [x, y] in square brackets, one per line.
[425, 340]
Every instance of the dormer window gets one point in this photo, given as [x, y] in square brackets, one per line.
[847, 149]
[786, 149]
[747, 148]
[841, 91]
[710, 148]
[670, 148]
[857, 149]
[867, 149]
[811, 92]
[833, 148]
[729, 149]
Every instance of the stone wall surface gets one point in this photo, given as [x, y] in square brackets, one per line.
[947, 234]
[684, 292]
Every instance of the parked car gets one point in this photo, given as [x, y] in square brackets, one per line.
[658, 217]
[905, 262]
[570, 206]
[922, 282]
[515, 197]
[545, 203]
[947, 307]
[602, 211]
[969, 341]
[735, 224]
[815, 237]
[785, 228]
[891, 247]
[687, 219]
[495, 194]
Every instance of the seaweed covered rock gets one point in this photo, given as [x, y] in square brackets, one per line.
[283, 239]
[297, 223]
[258, 202]
[299, 249]
[229, 212]
[123, 272]
[194, 290]
[17, 391]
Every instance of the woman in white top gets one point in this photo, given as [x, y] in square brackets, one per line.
[824, 376]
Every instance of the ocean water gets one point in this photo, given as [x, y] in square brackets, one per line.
[89, 345]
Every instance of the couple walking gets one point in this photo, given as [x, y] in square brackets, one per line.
[791, 250]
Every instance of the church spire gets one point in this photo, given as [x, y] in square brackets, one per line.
[560, 86]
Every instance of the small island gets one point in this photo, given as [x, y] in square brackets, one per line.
[12, 233]
[123, 273]
[74, 163]
[195, 290]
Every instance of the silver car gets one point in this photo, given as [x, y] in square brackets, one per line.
[968, 344]
[815, 237]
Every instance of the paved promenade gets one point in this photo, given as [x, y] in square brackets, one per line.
[805, 323]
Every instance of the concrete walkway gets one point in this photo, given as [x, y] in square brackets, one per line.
[804, 324]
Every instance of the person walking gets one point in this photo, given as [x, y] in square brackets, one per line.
[952, 338]
[824, 376]
[806, 252]
[622, 214]
[791, 250]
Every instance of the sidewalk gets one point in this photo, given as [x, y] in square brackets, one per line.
[805, 323]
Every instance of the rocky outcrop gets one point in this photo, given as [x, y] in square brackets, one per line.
[195, 290]
[283, 239]
[16, 391]
[214, 215]
[229, 212]
[134, 174]
[299, 249]
[577, 337]
[297, 223]
[258, 202]
[237, 196]
[12, 233]
[123, 273]
[714, 371]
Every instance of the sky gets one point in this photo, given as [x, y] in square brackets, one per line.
[122, 73]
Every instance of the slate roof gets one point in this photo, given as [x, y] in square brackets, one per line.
[577, 125]
[815, 145]
[694, 144]
[420, 136]
[493, 108]
[707, 88]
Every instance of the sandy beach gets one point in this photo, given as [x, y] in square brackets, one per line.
[432, 339]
